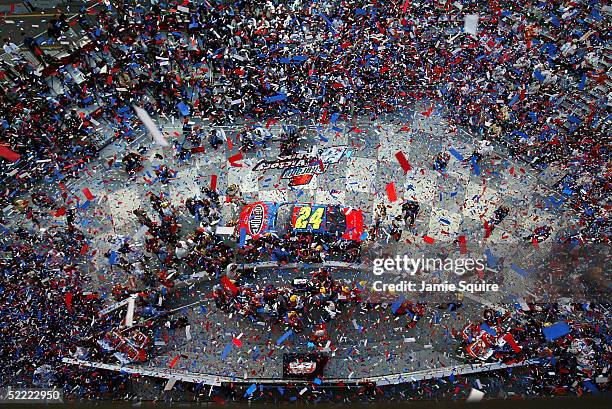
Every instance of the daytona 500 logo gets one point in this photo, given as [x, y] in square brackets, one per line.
[301, 168]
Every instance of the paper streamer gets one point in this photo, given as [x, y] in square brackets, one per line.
[519, 270]
[151, 127]
[475, 166]
[250, 391]
[397, 304]
[169, 384]
[69, 301]
[112, 259]
[491, 259]
[184, 109]
[174, 361]
[510, 340]
[275, 98]
[226, 351]
[242, 237]
[488, 329]
[129, 316]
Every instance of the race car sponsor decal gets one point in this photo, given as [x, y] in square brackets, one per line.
[309, 218]
[354, 224]
[256, 219]
[299, 169]
[283, 162]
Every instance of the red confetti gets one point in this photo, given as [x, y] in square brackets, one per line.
[462, 244]
[401, 158]
[237, 342]
[428, 240]
[8, 154]
[213, 182]
[174, 361]
[69, 301]
[234, 158]
[88, 194]
[428, 112]
[228, 285]
[391, 192]
[324, 117]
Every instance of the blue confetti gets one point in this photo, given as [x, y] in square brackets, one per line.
[242, 237]
[226, 351]
[491, 259]
[277, 97]
[456, 154]
[250, 391]
[184, 109]
[112, 259]
[284, 337]
[488, 329]
[558, 330]
[519, 270]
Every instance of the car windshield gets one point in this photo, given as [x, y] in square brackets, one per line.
[284, 216]
[335, 221]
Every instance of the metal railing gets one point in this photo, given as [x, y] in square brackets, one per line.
[218, 380]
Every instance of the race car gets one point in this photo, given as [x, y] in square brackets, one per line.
[304, 365]
[130, 348]
[486, 342]
[259, 218]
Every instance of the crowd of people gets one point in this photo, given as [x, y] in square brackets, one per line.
[45, 309]
[319, 295]
[311, 60]
[266, 61]
[174, 246]
[305, 248]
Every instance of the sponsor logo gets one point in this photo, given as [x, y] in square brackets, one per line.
[284, 162]
[256, 218]
[299, 169]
